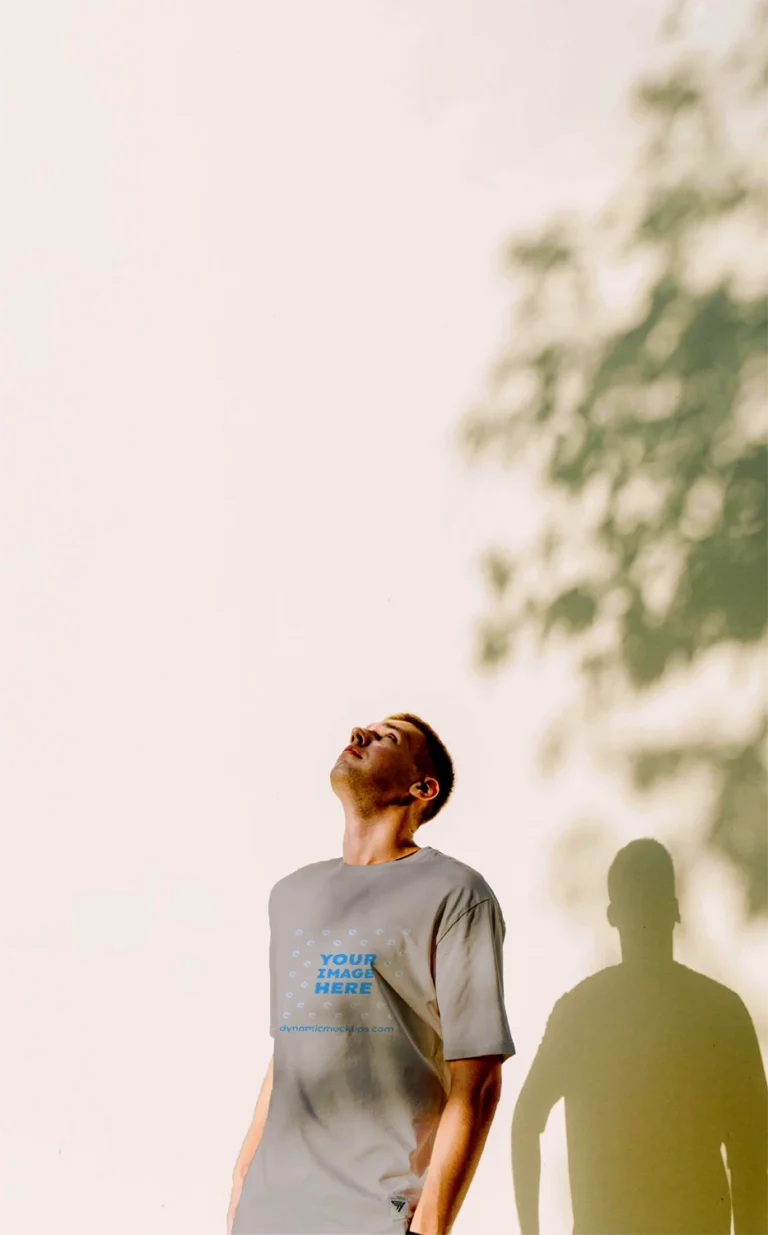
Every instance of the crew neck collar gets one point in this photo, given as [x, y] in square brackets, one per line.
[408, 857]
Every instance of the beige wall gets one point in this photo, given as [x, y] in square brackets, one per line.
[248, 288]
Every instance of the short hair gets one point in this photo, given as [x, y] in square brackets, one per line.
[441, 764]
[642, 867]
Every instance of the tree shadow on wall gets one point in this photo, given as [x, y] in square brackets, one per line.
[647, 430]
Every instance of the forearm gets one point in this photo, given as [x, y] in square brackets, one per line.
[243, 1161]
[254, 1134]
[526, 1175]
[249, 1146]
[459, 1143]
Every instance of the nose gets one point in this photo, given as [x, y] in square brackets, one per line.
[360, 737]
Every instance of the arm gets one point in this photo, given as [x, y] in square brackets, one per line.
[746, 1138]
[526, 1162]
[543, 1088]
[250, 1144]
[461, 1134]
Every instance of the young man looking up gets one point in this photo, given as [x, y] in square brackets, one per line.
[387, 1010]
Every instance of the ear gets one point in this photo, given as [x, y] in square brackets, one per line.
[425, 790]
[677, 911]
[610, 914]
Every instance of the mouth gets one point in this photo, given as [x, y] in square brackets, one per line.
[352, 750]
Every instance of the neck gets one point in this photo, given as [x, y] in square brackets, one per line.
[378, 836]
[647, 952]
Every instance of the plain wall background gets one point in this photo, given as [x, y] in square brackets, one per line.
[249, 285]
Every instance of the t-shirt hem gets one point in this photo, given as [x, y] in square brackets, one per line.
[506, 1051]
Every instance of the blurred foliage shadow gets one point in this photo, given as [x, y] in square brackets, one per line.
[646, 426]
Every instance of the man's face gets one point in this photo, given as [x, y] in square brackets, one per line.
[381, 763]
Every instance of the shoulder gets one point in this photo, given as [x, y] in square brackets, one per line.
[584, 999]
[713, 996]
[301, 877]
[594, 985]
[455, 873]
[460, 887]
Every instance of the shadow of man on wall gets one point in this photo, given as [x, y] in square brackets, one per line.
[660, 1070]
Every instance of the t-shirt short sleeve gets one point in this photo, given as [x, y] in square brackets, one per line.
[469, 984]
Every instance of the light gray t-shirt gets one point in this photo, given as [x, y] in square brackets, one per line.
[379, 975]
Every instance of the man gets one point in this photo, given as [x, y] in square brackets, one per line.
[659, 1067]
[387, 1011]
